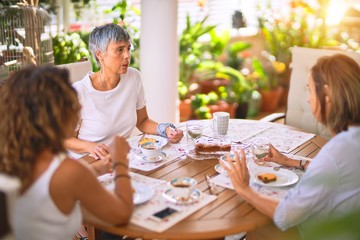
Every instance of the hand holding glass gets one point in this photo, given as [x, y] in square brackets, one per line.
[260, 149]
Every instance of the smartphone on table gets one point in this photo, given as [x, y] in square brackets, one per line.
[163, 214]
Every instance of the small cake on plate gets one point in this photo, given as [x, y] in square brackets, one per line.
[267, 177]
[206, 145]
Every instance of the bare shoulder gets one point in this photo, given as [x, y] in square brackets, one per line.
[74, 170]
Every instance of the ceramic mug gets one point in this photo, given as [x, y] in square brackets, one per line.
[220, 122]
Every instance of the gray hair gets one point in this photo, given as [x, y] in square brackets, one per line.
[101, 37]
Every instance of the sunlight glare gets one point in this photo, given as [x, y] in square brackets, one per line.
[335, 12]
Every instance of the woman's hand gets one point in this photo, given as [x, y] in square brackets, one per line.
[98, 151]
[277, 157]
[174, 134]
[237, 171]
[119, 149]
[102, 166]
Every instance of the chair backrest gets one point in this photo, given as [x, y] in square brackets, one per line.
[298, 113]
[9, 188]
[77, 70]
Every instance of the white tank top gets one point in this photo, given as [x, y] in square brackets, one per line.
[36, 216]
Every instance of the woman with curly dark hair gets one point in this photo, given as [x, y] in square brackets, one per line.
[39, 109]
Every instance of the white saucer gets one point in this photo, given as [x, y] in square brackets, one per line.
[159, 158]
[194, 197]
[220, 170]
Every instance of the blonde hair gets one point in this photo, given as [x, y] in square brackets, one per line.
[37, 106]
[342, 76]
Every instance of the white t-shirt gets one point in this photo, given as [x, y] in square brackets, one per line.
[105, 114]
[329, 188]
[36, 216]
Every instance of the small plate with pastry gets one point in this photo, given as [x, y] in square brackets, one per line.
[270, 178]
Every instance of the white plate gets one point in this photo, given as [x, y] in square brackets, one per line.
[194, 197]
[162, 141]
[143, 193]
[220, 170]
[159, 158]
[284, 177]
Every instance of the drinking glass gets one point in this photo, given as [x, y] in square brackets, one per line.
[194, 130]
[260, 149]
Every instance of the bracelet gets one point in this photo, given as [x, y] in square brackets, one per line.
[302, 164]
[120, 164]
[121, 175]
[161, 128]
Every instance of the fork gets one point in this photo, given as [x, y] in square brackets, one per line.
[212, 186]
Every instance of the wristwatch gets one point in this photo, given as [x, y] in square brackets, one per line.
[303, 162]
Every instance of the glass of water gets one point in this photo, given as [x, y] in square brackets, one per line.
[194, 130]
[260, 149]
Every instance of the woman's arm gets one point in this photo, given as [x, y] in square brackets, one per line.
[279, 158]
[239, 176]
[75, 181]
[146, 125]
[96, 150]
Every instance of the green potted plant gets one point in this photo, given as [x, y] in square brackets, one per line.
[237, 92]
[266, 78]
[233, 58]
[191, 52]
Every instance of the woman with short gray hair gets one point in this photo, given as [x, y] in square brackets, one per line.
[112, 99]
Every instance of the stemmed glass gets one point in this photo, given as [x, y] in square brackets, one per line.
[260, 149]
[194, 130]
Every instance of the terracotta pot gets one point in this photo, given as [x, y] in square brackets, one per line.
[223, 106]
[185, 110]
[270, 99]
[210, 85]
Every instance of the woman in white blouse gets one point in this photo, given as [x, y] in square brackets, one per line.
[330, 187]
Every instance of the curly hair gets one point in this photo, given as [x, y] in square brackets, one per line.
[342, 74]
[37, 106]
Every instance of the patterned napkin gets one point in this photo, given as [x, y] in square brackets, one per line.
[142, 213]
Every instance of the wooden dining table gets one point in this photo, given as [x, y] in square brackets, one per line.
[229, 214]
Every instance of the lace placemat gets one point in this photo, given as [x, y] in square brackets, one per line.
[284, 139]
[142, 213]
[238, 130]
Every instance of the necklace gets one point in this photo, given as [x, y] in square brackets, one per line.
[101, 80]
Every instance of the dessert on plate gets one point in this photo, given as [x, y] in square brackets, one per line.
[208, 145]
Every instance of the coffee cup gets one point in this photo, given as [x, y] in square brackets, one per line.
[150, 150]
[220, 122]
[183, 187]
